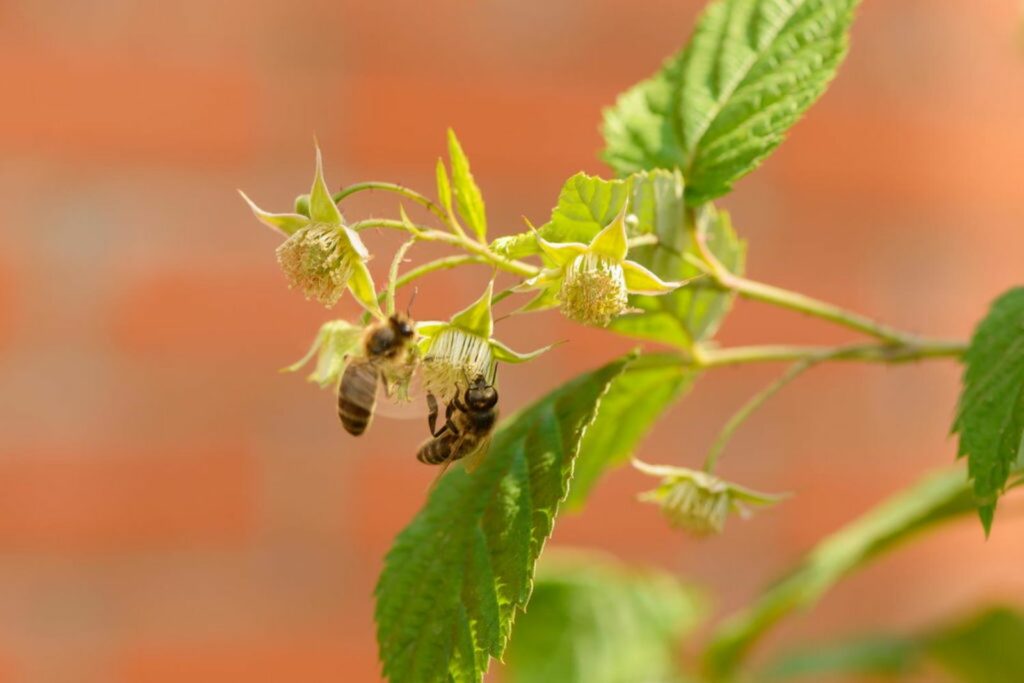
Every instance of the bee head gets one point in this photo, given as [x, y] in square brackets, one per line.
[402, 325]
[480, 395]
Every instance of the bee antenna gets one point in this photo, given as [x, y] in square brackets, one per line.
[408, 307]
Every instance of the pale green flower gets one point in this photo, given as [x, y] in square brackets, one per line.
[699, 502]
[338, 343]
[590, 282]
[322, 256]
[335, 344]
[455, 352]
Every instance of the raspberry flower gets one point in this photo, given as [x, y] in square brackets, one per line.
[590, 282]
[456, 351]
[322, 256]
[699, 502]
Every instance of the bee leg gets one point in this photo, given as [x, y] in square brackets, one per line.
[432, 414]
[448, 424]
[432, 417]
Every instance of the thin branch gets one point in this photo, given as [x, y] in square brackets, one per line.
[406, 192]
[748, 409]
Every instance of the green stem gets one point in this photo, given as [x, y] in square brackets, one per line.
[389, 300]
[426, 234]
[756, 291]
[406, 192]
[751, 406]
[445, 263]
[872, 353]
[783, 298]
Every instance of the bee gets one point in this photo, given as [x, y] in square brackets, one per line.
[466, 433]
[386, 346]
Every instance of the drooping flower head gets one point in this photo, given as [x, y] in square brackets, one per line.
[322, 256]
[454, 353]
[699, 502]
[590, 282]
[339, 342]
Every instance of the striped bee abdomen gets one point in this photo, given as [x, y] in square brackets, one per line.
[437, 450]
[357, 396]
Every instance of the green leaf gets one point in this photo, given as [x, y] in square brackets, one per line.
[876, 655]
[634, 402]
[586, 205]
[694, 312]
[456, 576]
[984, 649]
[467, 195]
[592, 620]
[444, 188]
[718, 108]
[935, 498]
[287, 223]
[990, 417]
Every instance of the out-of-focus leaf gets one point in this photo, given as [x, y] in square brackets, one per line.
[935, 498]
[990, 418]
[986, 649]
[878, 655]
[634, 402]
[723, 104]
[457, 575]
[592, 620]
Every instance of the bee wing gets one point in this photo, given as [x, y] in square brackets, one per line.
[402, 402]
[472, 460]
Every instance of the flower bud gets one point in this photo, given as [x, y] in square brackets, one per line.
[593, 290]
[454, 358]
[319, 260]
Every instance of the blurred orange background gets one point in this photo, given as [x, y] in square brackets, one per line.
[174, 509]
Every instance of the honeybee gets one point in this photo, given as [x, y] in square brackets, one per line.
[466, 433]
[386, 346]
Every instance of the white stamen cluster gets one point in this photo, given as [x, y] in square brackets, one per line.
[699, 505]
[454, 358]
[594, 290]
[318, 260]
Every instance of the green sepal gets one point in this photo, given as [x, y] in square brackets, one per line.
[477, 318]
[560, 253]
[322, 208]
[507, 355]
[612, 241]
[287, 223]
[361, 285]
[545, 299]
[639, 280]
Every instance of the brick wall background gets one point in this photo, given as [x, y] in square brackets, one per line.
[174, 509]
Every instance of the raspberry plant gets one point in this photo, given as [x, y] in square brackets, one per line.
[646, 254]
